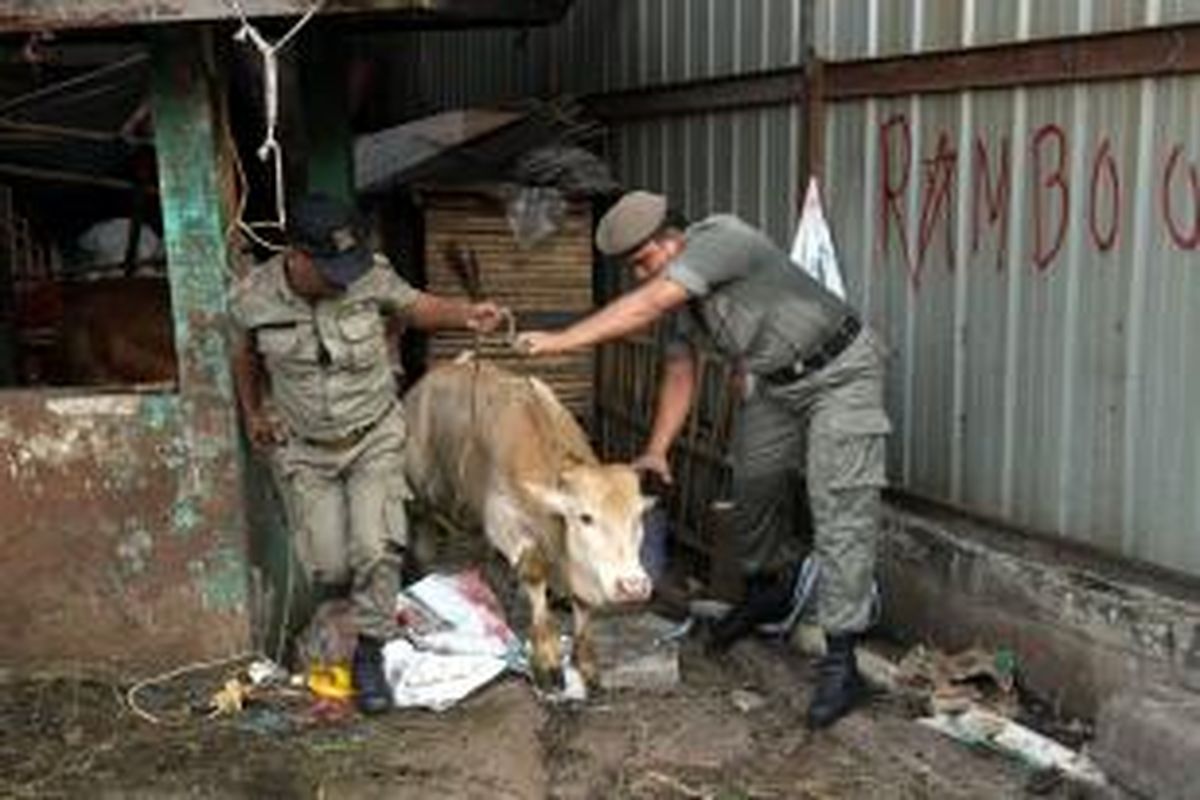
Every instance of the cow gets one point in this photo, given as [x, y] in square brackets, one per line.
[118, 332]
[497, 451]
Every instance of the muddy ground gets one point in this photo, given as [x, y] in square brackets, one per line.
[62, 737]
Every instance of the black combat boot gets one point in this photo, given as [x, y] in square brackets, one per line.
[839, 686]
[768, 599]
[371, 689]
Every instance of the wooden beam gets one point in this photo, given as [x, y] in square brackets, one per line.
[44, 15]
[35, 129]
[814, 127]
[773, 87]
[62, 87]
[1115, 56]
[63, 176]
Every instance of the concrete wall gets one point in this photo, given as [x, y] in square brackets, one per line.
[1084, 626]
[123, 541]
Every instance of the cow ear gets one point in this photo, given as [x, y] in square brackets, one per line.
[648, 502]
[558, 502]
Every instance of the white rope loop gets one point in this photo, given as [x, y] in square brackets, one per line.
[270, 150]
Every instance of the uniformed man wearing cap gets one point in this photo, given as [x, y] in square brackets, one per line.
[812, 398]
[310, 335]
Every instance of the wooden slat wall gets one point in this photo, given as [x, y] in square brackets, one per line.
[628, 375]
[552, 278]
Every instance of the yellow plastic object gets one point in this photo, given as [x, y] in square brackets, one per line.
[332, 683]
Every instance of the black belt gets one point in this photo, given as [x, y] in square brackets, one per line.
[352, 438]
[829, 349]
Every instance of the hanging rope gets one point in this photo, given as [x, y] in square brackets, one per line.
[270, 150]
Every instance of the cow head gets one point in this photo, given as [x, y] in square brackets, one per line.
[601, 507]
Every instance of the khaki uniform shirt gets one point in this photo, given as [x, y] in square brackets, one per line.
[748, 298]
[328, 362]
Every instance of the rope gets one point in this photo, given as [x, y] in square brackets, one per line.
[131, 695]
[270, 149]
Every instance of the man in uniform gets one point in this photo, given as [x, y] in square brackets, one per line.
[811, 384]
[311, 334]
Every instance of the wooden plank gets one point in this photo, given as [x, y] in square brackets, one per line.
[46, 15]
[553, 279]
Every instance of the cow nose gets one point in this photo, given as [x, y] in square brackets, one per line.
[634, 589]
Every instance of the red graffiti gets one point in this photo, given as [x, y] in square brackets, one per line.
[890, 195]
[935, 200]
[1049, 199]
[1188, 241]
[1105, 166]
[996, 199]
[1043, 254]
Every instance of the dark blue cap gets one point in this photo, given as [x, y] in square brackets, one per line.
[333, 234]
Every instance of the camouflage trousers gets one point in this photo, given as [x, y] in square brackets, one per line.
[346, 512]
[831, 426]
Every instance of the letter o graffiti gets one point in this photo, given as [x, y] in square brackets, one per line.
[1105, 167]
[1187, 242]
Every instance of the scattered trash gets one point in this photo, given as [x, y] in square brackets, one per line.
[971, 678]
[330, 683]
[229, 699]
[534, 213]
[326, 712]
[436, 681]
[265, 672]
[746, 701]
[455, 641]
[979, 727]
[456, 614]
[329, 637]
[573, 170]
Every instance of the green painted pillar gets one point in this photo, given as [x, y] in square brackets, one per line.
[185, 98]
[205, 462]
[327, 117]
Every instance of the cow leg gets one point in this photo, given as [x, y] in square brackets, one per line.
[583, 650]
[533, 572]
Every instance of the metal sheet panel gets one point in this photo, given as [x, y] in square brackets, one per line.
[745, 163]
[1031, 258]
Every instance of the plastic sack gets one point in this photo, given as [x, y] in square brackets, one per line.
[436, 681]
[812, 249]
[104, 243]
[535, 213]
[456, 641]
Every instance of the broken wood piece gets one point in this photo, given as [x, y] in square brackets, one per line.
[981, 728]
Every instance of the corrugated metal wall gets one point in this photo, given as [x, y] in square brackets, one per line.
[744, 161]
[1033, 257]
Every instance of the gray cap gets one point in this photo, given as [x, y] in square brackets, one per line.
[635, 218]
